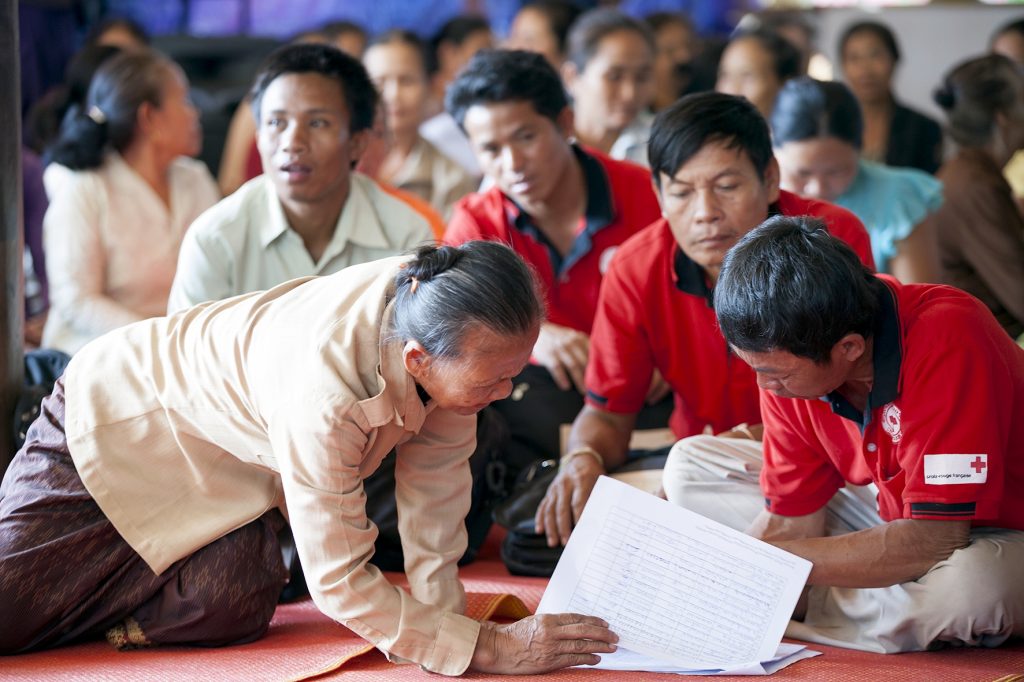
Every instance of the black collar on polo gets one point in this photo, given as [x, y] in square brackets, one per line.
[886, 361]
[598, 214]
[691, 278]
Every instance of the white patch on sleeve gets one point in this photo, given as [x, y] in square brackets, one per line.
[605, 261]
[955, 469]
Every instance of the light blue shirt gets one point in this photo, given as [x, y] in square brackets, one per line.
[890, 202]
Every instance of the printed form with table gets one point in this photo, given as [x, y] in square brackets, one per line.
[684, 593]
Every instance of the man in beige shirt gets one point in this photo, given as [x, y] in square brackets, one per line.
[187, 430]
[309, 213]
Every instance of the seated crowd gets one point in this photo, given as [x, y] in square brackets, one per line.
[427, 267]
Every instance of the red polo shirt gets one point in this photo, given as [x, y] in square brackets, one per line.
[943, 433]
[655, 312]
[620, 202]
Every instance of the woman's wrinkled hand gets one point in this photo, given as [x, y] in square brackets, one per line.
[542, 643]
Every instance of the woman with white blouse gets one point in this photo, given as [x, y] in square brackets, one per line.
[113, 232]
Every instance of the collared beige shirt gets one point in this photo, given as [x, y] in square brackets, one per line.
[245, 244]
[434, 177]
[186, 427]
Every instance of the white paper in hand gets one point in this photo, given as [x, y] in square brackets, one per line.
[674, 585]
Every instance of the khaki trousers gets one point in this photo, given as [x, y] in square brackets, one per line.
[975, 597]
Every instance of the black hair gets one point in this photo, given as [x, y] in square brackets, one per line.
[560, 16]
[402, 37]
[973, 92]
[44, 119]
[595, 25]
[455, 31]
[659, 20]
[107, 117]
[335, 29]
[875, 28]
[446, 290]
[786, 58]
[806, 108]
[789, 285]
[134, 29]
[777, 20]
[682, 129]
[494, 76]
[1012, 26]
[330, 62]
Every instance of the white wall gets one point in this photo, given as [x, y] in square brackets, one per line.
[931, 40]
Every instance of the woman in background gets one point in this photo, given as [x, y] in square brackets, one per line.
[675, 47]
[609, 73]
[756, 64]
[543, 26]
[451, 49]
[396, 62]
[120, 32]
[42, 125]
[980, 231]
[1008, 40]
[894, 134]
[112, 233]
[817, 132]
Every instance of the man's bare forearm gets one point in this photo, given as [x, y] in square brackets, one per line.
[896, 552]
[606, 432]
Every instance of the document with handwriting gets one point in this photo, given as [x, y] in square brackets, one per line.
[675, 586]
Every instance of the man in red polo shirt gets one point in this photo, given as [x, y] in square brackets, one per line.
[564, 209]
[717, 179]
[913, 388]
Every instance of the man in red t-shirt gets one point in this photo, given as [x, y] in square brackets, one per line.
[717, 179]
[915, 389]
[564, 209]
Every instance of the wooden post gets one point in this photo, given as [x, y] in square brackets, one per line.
[11, 239]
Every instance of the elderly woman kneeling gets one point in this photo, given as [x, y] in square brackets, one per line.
[144, 505]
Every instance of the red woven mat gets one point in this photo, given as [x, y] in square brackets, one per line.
[302, 643]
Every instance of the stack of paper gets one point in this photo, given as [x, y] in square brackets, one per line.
[682, 592]
[624, 659]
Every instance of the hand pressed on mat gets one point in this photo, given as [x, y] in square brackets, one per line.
[542, 643]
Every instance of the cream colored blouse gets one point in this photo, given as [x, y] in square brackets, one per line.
[187, 427]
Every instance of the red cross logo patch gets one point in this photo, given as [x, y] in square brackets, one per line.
[953, 469]
[891, 422]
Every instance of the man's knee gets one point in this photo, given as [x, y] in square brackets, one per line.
[979, 584]
[701, 474]
[681, 467]
[678, 467]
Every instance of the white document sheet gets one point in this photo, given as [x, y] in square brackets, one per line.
[675, 586]
[624, 660]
